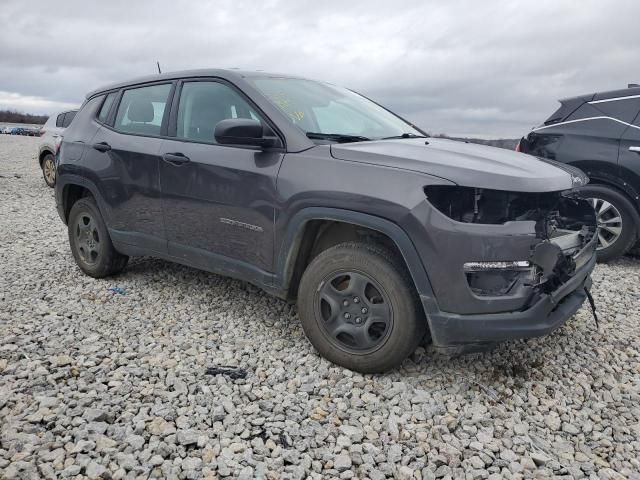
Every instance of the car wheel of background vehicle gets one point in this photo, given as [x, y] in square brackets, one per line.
[614, 213]
[49, 170]
[359, 309]
[90, 242]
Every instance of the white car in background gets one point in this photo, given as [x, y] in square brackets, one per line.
[51, 136]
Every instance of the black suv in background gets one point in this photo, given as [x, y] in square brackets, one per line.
[315, 193]
[600, 134]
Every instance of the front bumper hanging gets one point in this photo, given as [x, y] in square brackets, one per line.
[547, 312]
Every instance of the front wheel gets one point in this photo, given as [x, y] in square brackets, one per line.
[614, 214]
[359, 309]
[49, 170]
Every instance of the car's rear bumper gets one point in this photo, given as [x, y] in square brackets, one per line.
[550, 311]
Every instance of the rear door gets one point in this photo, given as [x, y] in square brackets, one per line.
[124, 157]
[218, 200]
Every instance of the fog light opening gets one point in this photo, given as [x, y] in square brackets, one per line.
[498, 278]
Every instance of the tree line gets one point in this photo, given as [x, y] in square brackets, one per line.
[13, 116]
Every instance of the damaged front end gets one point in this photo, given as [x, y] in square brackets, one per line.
[564, 227]
[503, 264]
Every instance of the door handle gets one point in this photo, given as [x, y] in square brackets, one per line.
[634, 149]
[176, 158]
[102, 146]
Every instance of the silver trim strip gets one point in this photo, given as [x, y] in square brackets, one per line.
[614, 99]
[585, 120]
[236, 223]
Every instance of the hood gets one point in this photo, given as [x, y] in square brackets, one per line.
[465, 164]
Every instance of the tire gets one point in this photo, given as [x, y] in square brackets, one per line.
[49, 170]
[90, 242]
[616, 237]
[370, 285]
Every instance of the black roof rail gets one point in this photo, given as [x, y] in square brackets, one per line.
[633, 85]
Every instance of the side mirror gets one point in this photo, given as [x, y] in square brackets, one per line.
[242, 131]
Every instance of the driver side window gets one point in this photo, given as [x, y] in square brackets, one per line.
[204, 104]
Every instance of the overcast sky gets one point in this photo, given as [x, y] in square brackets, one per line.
[474, 68]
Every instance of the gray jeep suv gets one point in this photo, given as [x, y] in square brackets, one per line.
[313, 192]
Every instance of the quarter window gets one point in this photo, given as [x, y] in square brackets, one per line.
[142, 110]
[624, 110]
[106, 106]
[204, 104]
[68, 118]
[60, 120]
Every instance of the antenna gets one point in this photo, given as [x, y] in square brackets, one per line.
[159, 71]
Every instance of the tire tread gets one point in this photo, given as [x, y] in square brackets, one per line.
[112, 261]
[409, 329]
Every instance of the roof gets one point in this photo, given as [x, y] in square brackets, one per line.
[207, 72]
[606, 95]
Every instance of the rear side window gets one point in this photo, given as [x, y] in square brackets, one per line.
[625, 110]
[204, 104]
[60, 120]
[106, 107]
[142, 110]
[68, 118]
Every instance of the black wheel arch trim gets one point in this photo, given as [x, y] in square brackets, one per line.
[43, 153]
[67, 180]
[286, 259]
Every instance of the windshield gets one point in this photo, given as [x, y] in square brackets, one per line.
[330, 113]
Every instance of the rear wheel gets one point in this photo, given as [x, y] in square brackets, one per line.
[90, 242]
[359, 309]
[49, 169]
[614, 214]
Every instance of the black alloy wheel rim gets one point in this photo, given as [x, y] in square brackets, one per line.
[354, 311]
[87, 239]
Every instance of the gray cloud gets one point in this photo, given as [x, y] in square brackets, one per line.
[491, 69]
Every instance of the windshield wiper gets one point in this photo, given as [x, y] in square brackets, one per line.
[337, 137]
[405, 135]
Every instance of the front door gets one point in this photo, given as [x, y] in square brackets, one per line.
[218, 200]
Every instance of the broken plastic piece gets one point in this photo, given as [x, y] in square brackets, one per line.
[231, 372]
[546, 255]
[593, 306]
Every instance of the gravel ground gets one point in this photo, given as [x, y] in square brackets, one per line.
[114, 384]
